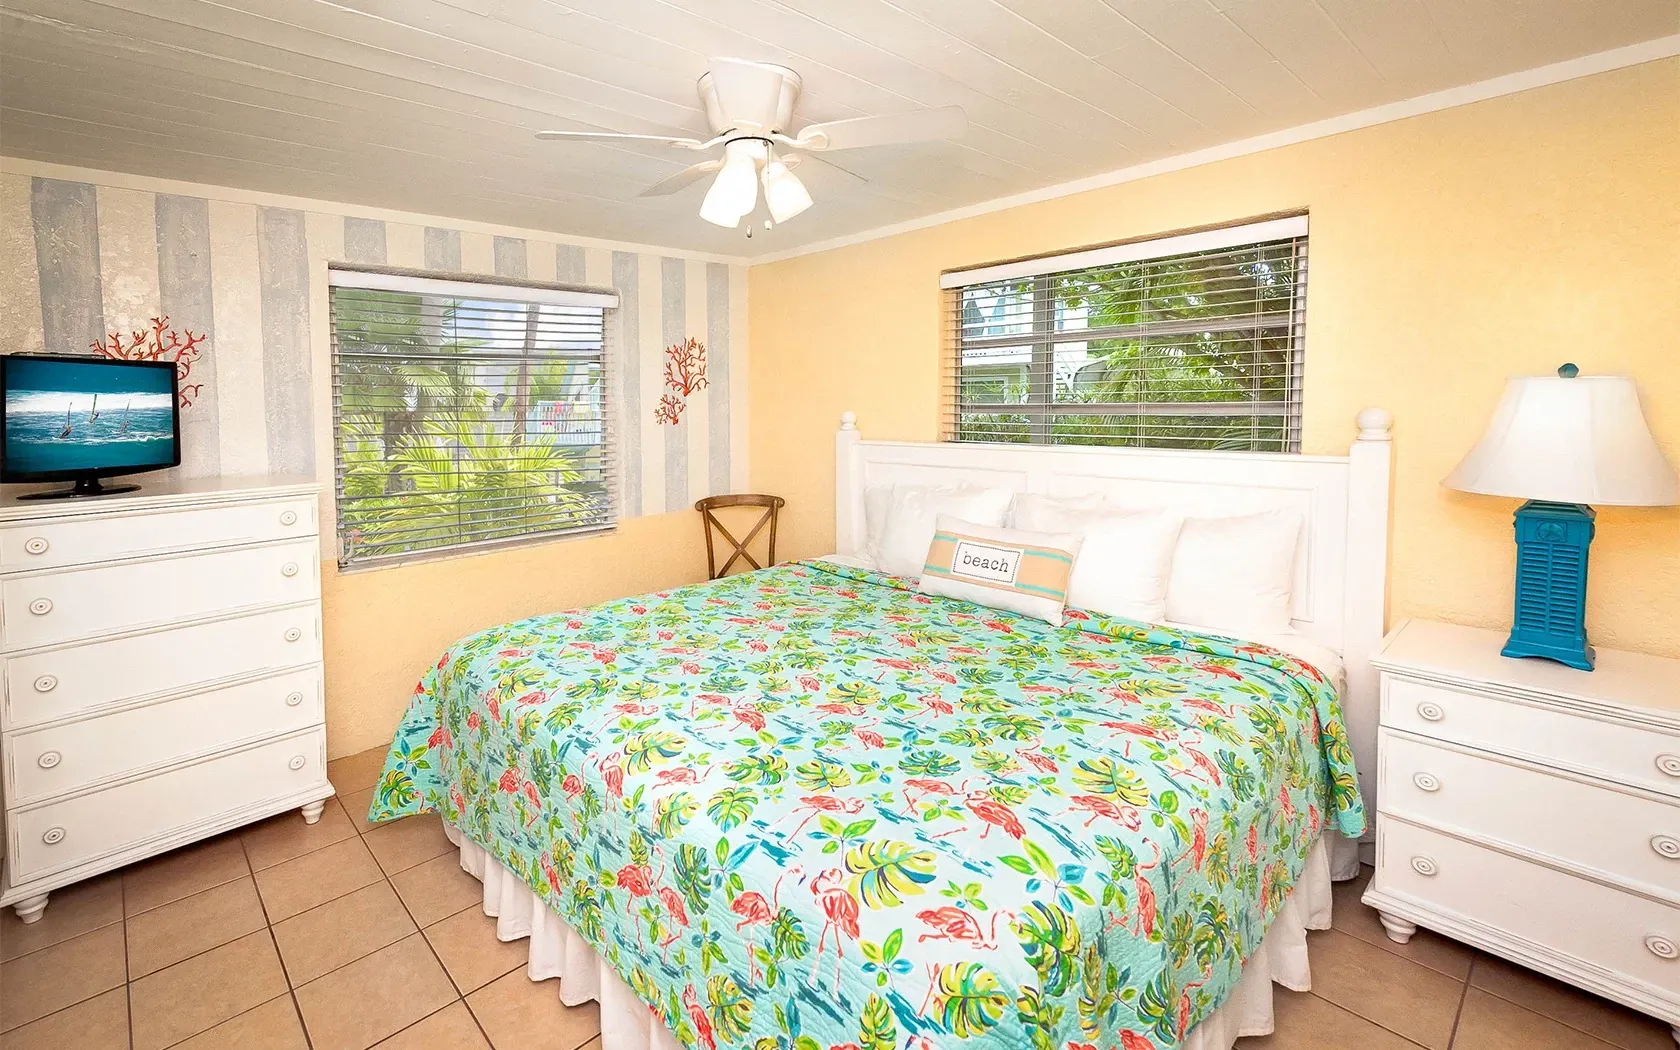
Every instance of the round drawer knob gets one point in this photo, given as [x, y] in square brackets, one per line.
[46, 683]
[49, 759]
[1662, 947]
[36, 545]
[297, 762]
[1424, 866]
[289, 569]
[1669, 764]
[54, 836]
[1666, 846]
[294, 699]
[288, 517]
[41, 606]
[1427, 782]
[1430, 712]
[293, 634]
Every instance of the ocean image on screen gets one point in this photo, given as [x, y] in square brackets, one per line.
[65, 416]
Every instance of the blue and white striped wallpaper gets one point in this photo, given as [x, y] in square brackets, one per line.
[79, 260]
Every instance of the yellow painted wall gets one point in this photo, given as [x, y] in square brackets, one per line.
[1447, 251]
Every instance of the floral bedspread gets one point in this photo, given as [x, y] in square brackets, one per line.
[808, 808]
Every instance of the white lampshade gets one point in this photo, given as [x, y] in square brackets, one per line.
[1569, 440]
[734, 192]
[783, 192]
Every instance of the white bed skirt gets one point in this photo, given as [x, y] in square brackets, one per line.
[628, 1024]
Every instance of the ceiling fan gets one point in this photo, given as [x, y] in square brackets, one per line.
[750, 108]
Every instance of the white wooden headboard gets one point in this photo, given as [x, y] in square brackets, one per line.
[1341, 565]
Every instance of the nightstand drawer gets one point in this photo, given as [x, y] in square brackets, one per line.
[1616, 931]
[1647, 757]
[1521, 806]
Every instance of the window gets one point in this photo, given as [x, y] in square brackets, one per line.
[466, 413]
[1193, 341]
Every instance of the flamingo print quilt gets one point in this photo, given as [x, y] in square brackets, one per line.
[808, 808]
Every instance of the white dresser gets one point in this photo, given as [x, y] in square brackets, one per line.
[1533, 810]
[161, 656]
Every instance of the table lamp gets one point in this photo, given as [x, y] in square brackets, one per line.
[1562, 442]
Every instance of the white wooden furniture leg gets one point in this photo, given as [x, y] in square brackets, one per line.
[312, 812]
[30, 908]
[1399, 930]
[1674, 1030]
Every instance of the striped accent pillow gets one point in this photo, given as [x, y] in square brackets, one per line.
[1024, 572]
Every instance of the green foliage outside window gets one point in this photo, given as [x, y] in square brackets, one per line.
[1217, 332]
[440, 434]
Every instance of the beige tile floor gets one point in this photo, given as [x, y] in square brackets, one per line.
[343, 936]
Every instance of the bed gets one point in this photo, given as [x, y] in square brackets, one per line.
[812, 807]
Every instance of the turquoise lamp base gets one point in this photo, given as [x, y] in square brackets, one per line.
[1551, 604]
[1582, 657]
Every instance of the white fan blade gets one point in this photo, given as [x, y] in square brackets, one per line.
[921, 125]
[812, 161]
[748, 93]
[682, 179]
[617, 136]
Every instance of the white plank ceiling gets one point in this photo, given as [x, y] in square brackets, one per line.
[429, 105]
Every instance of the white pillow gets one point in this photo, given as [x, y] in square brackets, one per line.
[876, 500]
[1024, 572]
[1125, 561]
[914, 514]
[1235, 576]
[1030, 506]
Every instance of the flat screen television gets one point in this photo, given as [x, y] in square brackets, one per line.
[81, 419]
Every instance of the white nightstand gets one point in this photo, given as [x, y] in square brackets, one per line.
[1533, 810]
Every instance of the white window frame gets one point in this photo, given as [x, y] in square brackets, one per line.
[1041, 409]
[480, 290]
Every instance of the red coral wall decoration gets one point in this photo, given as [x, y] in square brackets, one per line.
[685, 373]
[669, 410]
[162, 343]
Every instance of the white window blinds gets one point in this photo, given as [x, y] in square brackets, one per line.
[1192, 341]
[466, 413]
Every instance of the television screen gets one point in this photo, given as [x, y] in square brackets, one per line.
[66, 417]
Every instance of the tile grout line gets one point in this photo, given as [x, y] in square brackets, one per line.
[266, 925]
[128, 986]
[1558, 1020]
[460, 996]
[285, 974]
[1464, 996]
[1367, 1020]
[122, 919]
[383, 878]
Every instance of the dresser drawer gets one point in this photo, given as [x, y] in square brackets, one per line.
[1620, 932]
[64, 606]
[1632, 755]
[83, 541]
[63, 758]
[1526, 807]
[63, 834]
[47, 685]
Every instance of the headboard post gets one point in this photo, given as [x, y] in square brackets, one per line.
[1365, 611]
[848, 486]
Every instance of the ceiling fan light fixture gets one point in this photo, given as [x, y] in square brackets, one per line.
[734, 192]
[785, 195]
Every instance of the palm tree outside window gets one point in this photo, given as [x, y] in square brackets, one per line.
[466, 414]
[1142, 344]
